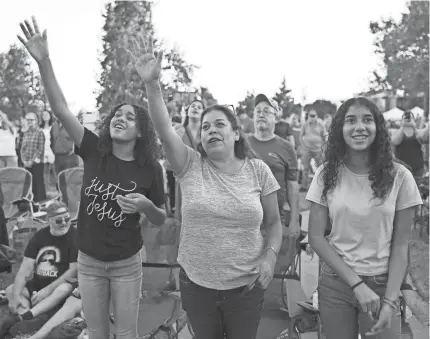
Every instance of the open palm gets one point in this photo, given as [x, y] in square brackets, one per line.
[36, 43]
[147, 65]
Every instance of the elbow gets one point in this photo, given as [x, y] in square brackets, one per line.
[315, 240]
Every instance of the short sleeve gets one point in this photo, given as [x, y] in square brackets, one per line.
[408, 195]
[291, 160]
[268, 182]
[316, 188]
[192, 158]
[33, 247]
[156, 192]
[88, 145]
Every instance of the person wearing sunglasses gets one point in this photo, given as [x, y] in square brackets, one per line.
[228, 195]
[43, 280]
[312, 138]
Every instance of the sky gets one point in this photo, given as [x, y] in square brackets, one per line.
[323, 48]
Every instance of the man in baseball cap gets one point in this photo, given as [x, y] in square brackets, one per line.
[280, 156]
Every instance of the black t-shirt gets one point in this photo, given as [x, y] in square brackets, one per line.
[52, 254]
[104, 231]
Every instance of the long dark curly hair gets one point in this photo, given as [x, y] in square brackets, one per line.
[242, 149]
[146, 150]
[380, 154]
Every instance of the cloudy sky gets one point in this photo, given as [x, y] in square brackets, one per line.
[324, 48]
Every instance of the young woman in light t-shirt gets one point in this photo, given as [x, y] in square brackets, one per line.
[369, 200]
[227, 196]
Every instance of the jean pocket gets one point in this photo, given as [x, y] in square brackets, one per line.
[326, 270]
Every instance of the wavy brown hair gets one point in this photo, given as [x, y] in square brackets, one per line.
[242, 149]
[146, 150]
[380, 154]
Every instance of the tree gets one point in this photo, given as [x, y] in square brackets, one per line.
[206, 96]
[119, 82]
[247, 104]
[323, 107]
[284, 98]
[404, 48]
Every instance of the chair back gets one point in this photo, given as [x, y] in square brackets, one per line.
[15, 183]
[70, 184]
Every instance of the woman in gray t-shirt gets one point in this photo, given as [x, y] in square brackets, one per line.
[227, 196]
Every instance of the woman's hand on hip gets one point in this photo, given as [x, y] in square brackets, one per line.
[266, 268]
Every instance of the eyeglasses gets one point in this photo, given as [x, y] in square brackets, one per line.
[61, 221]
[266, 111]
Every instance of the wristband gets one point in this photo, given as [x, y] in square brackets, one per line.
[389, 302]
[272, 249]
[353, 287]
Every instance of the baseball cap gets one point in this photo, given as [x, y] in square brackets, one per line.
[56, 208]
[263, 97]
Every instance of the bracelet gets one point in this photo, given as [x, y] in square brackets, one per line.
[389, 302]
[273, 249]
[353, 287]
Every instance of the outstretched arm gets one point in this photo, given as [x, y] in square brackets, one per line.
[37, 45]
[149, 69]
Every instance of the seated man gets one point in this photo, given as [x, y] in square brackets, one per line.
[41, 284]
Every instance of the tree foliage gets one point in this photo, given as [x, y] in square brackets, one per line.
[404, 49]
[247, 104]
[284, 99]
[119, 82]
[20, 88]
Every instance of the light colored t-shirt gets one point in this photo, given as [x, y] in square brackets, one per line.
[7, 142]
[221, 242]
[362, 227]
[313, 135]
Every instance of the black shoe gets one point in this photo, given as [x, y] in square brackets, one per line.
[7, 323]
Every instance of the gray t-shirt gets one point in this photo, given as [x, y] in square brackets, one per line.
[221, 242]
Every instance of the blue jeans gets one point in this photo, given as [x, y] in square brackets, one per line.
[212, 312]
[119, 281]
[341, 316]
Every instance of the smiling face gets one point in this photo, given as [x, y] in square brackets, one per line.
[123, 126]
[217, 135]
[359, 128]
[46, 116]
[264, 117]
[195, 110]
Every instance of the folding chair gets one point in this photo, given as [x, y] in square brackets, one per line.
[69, 185]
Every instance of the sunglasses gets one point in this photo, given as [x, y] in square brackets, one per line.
[61, 221]
[231, 108]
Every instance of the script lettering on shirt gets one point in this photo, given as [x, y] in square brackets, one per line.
[107, 193]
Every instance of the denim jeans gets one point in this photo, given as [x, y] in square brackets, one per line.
[119, 281]
[213, 312]
[340, 313]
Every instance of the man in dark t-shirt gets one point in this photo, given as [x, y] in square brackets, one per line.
[281, 158]
[49, 265]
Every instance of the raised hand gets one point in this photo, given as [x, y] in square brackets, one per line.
[35, 43]
[147, 65]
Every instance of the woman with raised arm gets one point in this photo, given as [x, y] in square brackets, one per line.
[369, 200]
[227, 195]
[122, 180]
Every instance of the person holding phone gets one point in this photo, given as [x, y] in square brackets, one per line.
[122, 181]
[228, 195]
[408, 141]
[369, 200]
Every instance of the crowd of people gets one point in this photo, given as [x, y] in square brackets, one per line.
[230, 178]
